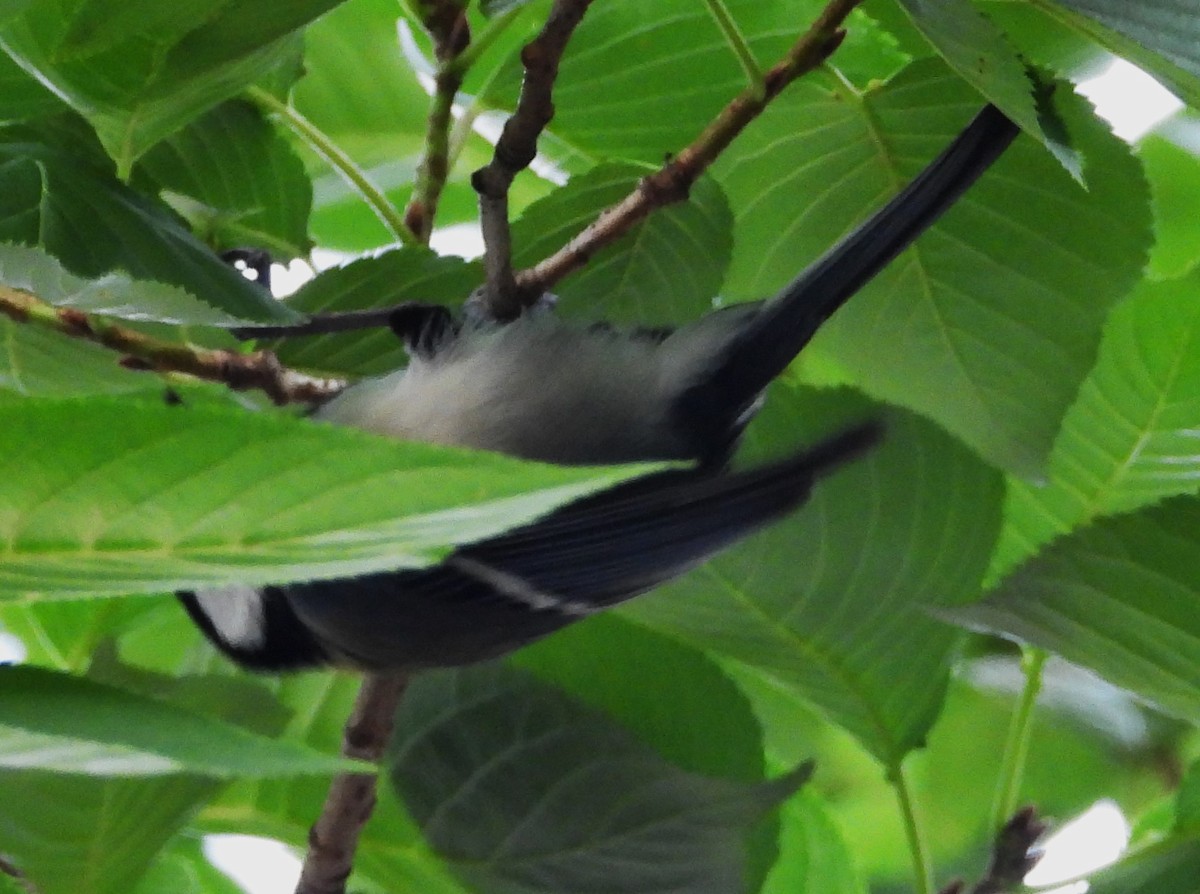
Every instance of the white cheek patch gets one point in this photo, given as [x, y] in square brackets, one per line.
[236, 614]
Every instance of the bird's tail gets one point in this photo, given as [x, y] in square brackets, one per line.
[789, 321]
[630, 538]
[493, 596]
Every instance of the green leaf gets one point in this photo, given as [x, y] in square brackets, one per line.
[1175, 185]
[79, 833]
[991, 321]
[642, 80]
[688, 709]
[406, 274]
[182, 868]
[1187, 804]
[668, 269]
[1044, 40]
[814, 853]
[24, 181]
[111, 496]
[21, 96]
[979, 53]
[1169, 867]
[391, 854]
[138, 71]
[521, 789]
[109, 295]
[1160, 36]
[1129, 440]
[12, 7]
[871, 52]
[38, 363]
[359, 91]
[65, 633]
[245, 701]
[357, 88]
[1121, 598]
[72, 207]
[251, 186]
[71, 725]
[85, 833]
[833, 602]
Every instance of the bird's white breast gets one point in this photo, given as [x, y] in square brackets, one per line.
[537, 388]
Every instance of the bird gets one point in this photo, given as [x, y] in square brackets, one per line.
[543, 388]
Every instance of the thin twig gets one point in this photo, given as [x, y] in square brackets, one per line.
[516, 148]
[672, 182]
[333, 839]
[326, 323]
[446, 22]
[259, 370]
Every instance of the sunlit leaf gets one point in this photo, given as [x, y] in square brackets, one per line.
[140, 70]
[1133, 435]
[991, 321]
[72, 725]
[1121, 598]
[110, 295]
[83, 833]
[980, 53]
[1175, 185]
[115, 496]
[251, 187]
[68, 203]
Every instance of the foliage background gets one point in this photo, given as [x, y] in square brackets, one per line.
[1035, 357]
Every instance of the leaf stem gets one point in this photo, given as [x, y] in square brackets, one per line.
[434, 167]
[1016, 748]
[321, 143]
[461, 63]
[922, 870]
[740, 46]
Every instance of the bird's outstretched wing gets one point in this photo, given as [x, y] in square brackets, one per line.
[496, 595]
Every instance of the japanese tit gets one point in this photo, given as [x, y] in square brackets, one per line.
[546, 389]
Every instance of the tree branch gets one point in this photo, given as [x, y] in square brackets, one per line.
[672, 182]
[1013, 855]
[515, 150]
[446, 22]
[326, 323]
[333, 839]
[259, 370]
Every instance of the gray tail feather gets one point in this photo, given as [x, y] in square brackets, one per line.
[788, 322]
[493, 596]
